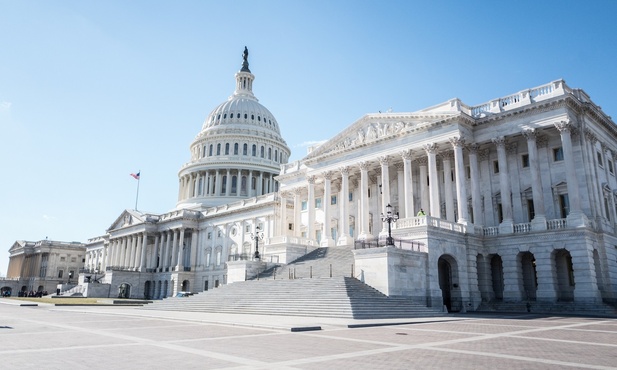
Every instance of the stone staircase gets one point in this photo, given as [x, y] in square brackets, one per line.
[320, 263]
[572, 308]
[338, 297]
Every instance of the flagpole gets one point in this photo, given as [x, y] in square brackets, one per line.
[137, 196]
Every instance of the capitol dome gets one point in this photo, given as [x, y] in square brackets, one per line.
[237, 153]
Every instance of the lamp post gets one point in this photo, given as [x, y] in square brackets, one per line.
[257, 236]
[389, 217]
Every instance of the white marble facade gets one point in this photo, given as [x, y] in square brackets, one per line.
[518, 195]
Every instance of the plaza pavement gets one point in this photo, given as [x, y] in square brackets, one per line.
[49, 337]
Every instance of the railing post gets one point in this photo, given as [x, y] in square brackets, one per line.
[352, 271]
[275, 273]
[311, 272]
[330, 270]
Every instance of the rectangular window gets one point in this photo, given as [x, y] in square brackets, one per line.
[62, 259]
[468, 172]
[247, 228]
[304, 205]
[333, 200]
[600, 162]
[525, 160]
[291, 226]
[531, 213]
[333, 233]
[209, 235]
[610, 166]
[495, 166]
[558, 154]
[500, 213]
[304, 234]
[564, 205]
[318, 236]
[607, 209]
[60, 273]
[318, 203]
[350, 196]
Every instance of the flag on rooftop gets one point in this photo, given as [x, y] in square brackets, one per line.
[136, 175]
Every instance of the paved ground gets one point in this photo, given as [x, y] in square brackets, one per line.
[49, 337]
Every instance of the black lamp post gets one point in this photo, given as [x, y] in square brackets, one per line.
[389, 217]
[257, 236]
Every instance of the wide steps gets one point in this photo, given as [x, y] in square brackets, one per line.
[341, 297]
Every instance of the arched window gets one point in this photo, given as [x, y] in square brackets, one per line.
[227, 149]
[243, 185]
[254, 150]
[203, 154]
[210, 151]
[236, 149]
[224, 185]
[262, 151]
[234, 184]
[245, 149]
[218, 149]
[270, 153]
[245, 116]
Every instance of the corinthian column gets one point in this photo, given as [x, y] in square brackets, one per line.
[297, 212]
[576, 217]
[385, 189]
[461, 185]
[407, 183]
[344, 238]
[507, 224]
[327, 240]
[539, 219]
[310, 228]
[364, 211]
[476, 199]
[431, 152]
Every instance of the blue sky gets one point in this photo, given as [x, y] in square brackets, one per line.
[91, 91]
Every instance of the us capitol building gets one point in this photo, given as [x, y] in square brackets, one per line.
[512, 200]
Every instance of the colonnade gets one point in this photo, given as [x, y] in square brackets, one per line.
[430, 191]
[226, 183]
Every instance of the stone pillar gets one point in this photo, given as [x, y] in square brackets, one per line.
[218, 184]
[512, 277]
[180, 244]
[260, 184]
[539, 219]
[507, 224]
[400, 186]
[104, 257]
[143, 254]
[250, 191]
[298, 212]
[327, 240]
[363, 206]
[138, 249]
[283, 216]
[447, 184]
[461, 184]
[431, 151]
[408, 184]
[546, 290]
[423, 182]
[310, 228]
[154, 260]
[194, 259]
[385, 190]
[344, 238]
[476, 198]
[576, 217]
[164, 250]
[586, 286]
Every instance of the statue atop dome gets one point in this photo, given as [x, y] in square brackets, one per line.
[245, 63]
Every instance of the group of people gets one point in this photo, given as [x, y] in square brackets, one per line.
[31, 293]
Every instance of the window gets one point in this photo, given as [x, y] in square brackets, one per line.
[350, 196]
[304, 205]
[254, 150]
[224, 185]
[468, 172]
[234, 184]
[227, 149]
[317, 202]
[333, 233]
[531, 212]
[210, 151]
[525, 160]
[247, 228]
[333, 200]
[600, 162]
[558, 154]
[60, 273]
[73, 259]
[245, 149]
[607, 209]
[236, 149]
[610, 166]
[209, 235]
[261, 152]
[291, 226]
[369, 192]
[495, 166]
[218, 149]
[62, 259]
[276, 155]
[205, 151]
[564, 205]
[499, 213]
[270, 153]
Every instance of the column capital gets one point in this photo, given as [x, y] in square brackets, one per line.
[447, 155]
[422, 161]
[591, 136]
[474, 148]
[344, 170]
[383, 160]
[328, 175]
[311, 179]
[531, 134]
[430, 148]
[500, 141]
[563, 126]
[363, 165]
[457, 141]
[406, 154]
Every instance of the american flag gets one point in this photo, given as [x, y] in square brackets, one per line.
[136, 175]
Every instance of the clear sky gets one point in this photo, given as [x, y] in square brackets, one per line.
[91, 91]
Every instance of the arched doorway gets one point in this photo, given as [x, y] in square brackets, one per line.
[147, 290]
[497, 276]
[165, 285]
[6, 291]
[186, 286]
[448, 283]
[564, 272]
[158, 290]
[124, 290]
[528, 271]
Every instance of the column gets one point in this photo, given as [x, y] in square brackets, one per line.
[260, 183]
[228, 183]
[327, 240]
[407, 183]
[310, 228]
[104, 257]
[539, 219]
[344, 238]
[193, 261]
[476, 198]
[155, 253]
[385, 190]
[167, 247]
[297, 212]
[125, 253]
[138, 251]
[363, 212]
[283, 214]
[423, 182]
[461, 185]
[143, 254]
[576, 217]
[431, 152]
[182, 245]
[218, 184]
[174, 250]
[250, 184]
[507, 224]
[447, 183]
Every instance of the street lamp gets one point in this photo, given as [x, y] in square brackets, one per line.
[389, 217]
[257, 236]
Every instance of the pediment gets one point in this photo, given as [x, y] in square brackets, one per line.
[17, 246]
[375, 127]
[127, 218]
